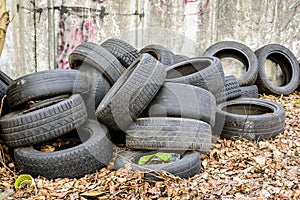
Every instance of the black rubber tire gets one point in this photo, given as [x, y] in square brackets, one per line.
[39, 124]
[123, 51]
[231, 90]
[289, 67]
[179, 58]
[238, 51]
[162, 54]
[204, 72]
[45, 84]
[99, 88]
[5, 78]
[3, 89]
[182, 100]
[249, 91]
[188, 166]
[132, 93]
[251, 119]
[98, 57]
[168, 133]
[93, 153]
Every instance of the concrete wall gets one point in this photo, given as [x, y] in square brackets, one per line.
[43, 32]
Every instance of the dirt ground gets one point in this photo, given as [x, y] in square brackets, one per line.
[232, 170]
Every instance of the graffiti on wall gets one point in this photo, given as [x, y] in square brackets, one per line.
[85, 27]
[88, 22]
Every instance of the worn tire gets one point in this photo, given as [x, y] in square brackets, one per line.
[162, 54]
[39, 124]
[238, 51]
[188, 166]
[98, 57]
[249, 91]
[99, 88]
[231, 90]
[182, 100]
[289, 67]
[179, 58]
[3, 89]
[93, 153]
[123, 51]
[251, 119]
[45, 84]
[204, 72]
[168, 133]
[132, 93]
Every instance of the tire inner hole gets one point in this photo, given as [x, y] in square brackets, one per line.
[278, 69]
[66, 141]
[233, 62]
[247, 109]
[188, 68]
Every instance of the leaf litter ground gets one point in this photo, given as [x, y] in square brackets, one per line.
[232, 170]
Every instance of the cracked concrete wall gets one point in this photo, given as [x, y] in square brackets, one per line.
[42, 33]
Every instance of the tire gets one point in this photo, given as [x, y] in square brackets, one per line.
[231, 90]
[289, 67]
[123, 51]
[179, 58]
[238, 51]
[265, 119]
[204, 72]
[132, 93]
[249, 91]
[162, 54]
[98, 57]
[182, 100]
[3, 89]
[5, 78]
[167, 133]
[45, 84]
[43, 122]
[93, 153]
[99, 88]
[188, 166]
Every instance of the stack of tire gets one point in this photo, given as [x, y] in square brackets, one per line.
[248, 117]
[157, 101]
[47, 105]
[165, 102]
